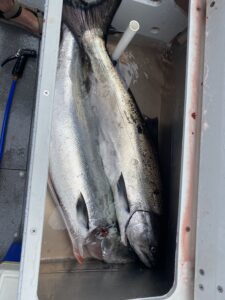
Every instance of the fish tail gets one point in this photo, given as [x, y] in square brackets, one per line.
[80, 16]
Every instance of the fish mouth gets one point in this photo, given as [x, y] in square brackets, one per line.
[147, 259]
[104, 243]
[93, 242]
[142, 236]
[95, 250]
[148, 256]
[115, 252]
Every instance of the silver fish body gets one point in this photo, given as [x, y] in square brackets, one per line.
[128, 154]
[77, 177]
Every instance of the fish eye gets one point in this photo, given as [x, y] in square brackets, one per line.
[153, 250]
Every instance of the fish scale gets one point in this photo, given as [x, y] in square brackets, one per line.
[119, 121]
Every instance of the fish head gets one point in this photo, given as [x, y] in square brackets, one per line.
[104, 243]
[89, 236]
[100, 240]
[114, 251]
[93, 242]
[143, 235]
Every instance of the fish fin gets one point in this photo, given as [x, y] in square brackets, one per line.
[52, 191]
[80, 16]
[121, 187]
[56, 199]
[82, 212]
[78, 257]
[82, 218]
[122, 207]
[152, 128]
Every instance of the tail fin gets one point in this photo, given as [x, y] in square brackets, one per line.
[80, 16]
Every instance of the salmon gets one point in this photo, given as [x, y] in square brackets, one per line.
[127, 152]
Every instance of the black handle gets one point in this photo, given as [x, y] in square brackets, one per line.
[19, 67]
[21, 58]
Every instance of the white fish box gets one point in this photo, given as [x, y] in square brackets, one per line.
[156, 18]
[9, 279]
[166, 72]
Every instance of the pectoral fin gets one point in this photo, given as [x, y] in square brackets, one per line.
[82, 213]
[122, 206]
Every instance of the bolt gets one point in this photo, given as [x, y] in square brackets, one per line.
[46, 93]
[33, 230]
[202, 272]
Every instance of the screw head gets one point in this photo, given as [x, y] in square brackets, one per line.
[33, 230]
[46, 93]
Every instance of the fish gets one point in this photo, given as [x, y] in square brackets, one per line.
[128, 154]
[77, 180]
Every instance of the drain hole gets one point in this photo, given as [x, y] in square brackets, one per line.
[155, 2]
[155, 30]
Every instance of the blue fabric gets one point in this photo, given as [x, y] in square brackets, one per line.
[6, 118]
[14, 252]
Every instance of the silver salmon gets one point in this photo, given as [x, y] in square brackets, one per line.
[128, 155]
[77, 180]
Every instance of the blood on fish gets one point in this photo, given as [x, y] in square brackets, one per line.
[104, 232]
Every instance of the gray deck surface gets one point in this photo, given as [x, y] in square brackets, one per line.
[12, 181]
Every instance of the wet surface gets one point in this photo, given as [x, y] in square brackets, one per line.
[16, 152]
[158, 88]
[12, 189]
[124, 283]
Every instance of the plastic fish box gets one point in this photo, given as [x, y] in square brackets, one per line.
[163, 67]
[9, 277]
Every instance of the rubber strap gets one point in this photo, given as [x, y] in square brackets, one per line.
[14, 12]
